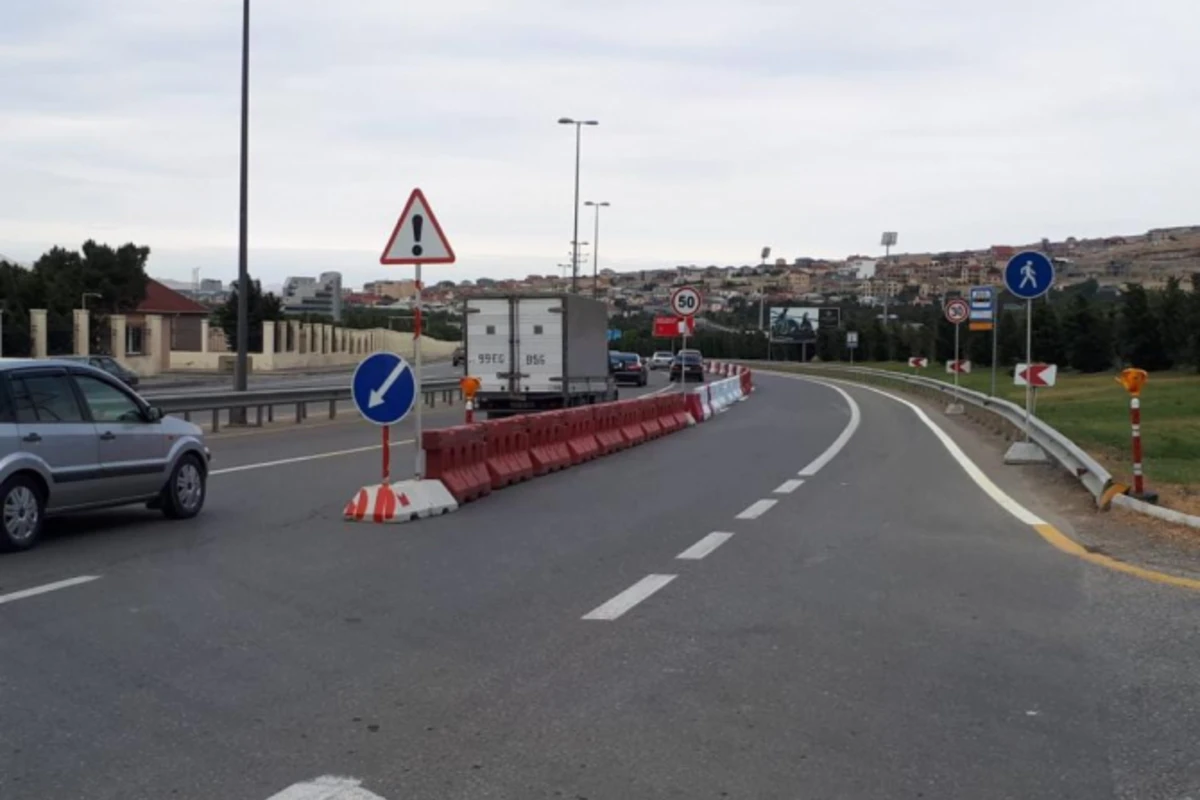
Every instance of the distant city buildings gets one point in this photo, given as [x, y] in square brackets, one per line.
[319, 296]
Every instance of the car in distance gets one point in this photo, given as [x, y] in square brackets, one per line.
[687, 366]
[459, 356]
[74, 438]
[628, 368]
[109, 365]
[661, 360]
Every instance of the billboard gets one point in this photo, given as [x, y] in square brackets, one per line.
[800, 323]
[670, 327]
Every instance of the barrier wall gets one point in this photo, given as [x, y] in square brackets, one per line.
[474, 460]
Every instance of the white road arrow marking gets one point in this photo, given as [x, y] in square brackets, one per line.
[376, 398]
[327, 787]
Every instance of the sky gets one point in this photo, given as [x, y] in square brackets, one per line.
[724, 127]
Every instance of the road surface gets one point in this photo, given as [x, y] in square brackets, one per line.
[694, 618]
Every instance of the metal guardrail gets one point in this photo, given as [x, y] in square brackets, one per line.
[264, 401]
[1094, 477]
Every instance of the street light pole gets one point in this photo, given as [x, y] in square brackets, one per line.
[242, 362]
[575, 239]
[84, 298]
[596, 248]
[888, 239]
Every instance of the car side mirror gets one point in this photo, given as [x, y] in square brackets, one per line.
[154, 414]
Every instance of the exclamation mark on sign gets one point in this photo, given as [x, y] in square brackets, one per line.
[418, 222]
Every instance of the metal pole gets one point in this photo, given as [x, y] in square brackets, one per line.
[1028, 361]
[419, 400]
[957, 366]
[575, 238]
[682, 359]
[596, 256]
[995, 338]
[887, 254]
[241, 363]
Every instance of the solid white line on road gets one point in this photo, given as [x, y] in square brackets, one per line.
[838, 443]
[327, 787]
[48, 587]
[756, 509]
[301, 459]
[630, 597]
[705, 546]
[789, 486]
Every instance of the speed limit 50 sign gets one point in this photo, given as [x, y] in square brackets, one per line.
[685, 301]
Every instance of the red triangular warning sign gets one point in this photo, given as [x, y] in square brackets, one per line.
[417, 237]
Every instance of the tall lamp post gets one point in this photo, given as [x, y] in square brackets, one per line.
[596, 248]
[242, 362]
[84, 298]
[888, 240]
[575, 238]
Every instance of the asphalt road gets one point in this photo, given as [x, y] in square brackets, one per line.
[883, 629]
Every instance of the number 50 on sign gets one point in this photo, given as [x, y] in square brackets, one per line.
[685, 301]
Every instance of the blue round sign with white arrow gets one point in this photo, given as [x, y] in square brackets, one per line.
[1029, 274]
[384, 388]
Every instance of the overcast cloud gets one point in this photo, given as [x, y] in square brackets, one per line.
[725, 126]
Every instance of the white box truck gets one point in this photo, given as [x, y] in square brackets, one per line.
[537, 352]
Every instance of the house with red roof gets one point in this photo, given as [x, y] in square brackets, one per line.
[183, 320]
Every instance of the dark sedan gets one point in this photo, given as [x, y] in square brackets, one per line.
[109, 365]
[628, 368]
[688, 365]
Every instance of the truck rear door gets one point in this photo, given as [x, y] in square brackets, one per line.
[490, 343]
[540, 344]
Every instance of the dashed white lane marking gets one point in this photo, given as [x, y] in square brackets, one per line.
[629, 598]
[327, 787]
[789, 486]
[757, 509]
[705, 546]
[838, 443]
[301, 459]
[47, 587]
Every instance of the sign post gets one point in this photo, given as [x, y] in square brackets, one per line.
[851, 344]
[1028, 275]
[957, 312]
[417, 239]
[685, 302]
[983, 318]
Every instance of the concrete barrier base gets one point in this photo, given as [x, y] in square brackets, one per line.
[1025, 453]
[404, 501]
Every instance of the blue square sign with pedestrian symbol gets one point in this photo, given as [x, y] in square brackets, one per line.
[383, 388]
[1029, 275]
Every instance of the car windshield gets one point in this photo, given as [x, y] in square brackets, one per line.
[688, 358]
[661, 354]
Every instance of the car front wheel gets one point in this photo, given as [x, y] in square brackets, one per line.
[184, 494]
[24, 510]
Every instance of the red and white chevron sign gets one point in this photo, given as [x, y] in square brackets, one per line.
[918, 363]
[961, 366]
[1038, 376]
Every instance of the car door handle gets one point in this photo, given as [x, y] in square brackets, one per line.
[31, 437]
[107, 436]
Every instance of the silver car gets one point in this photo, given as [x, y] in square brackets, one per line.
[73, 437]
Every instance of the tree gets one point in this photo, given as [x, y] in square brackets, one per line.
[1048, 344]
[1194, 322]
[61, 277]
[1011, 343]
[1088, 337]
[1174, 325]
[1141, 335]
[260, 308]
